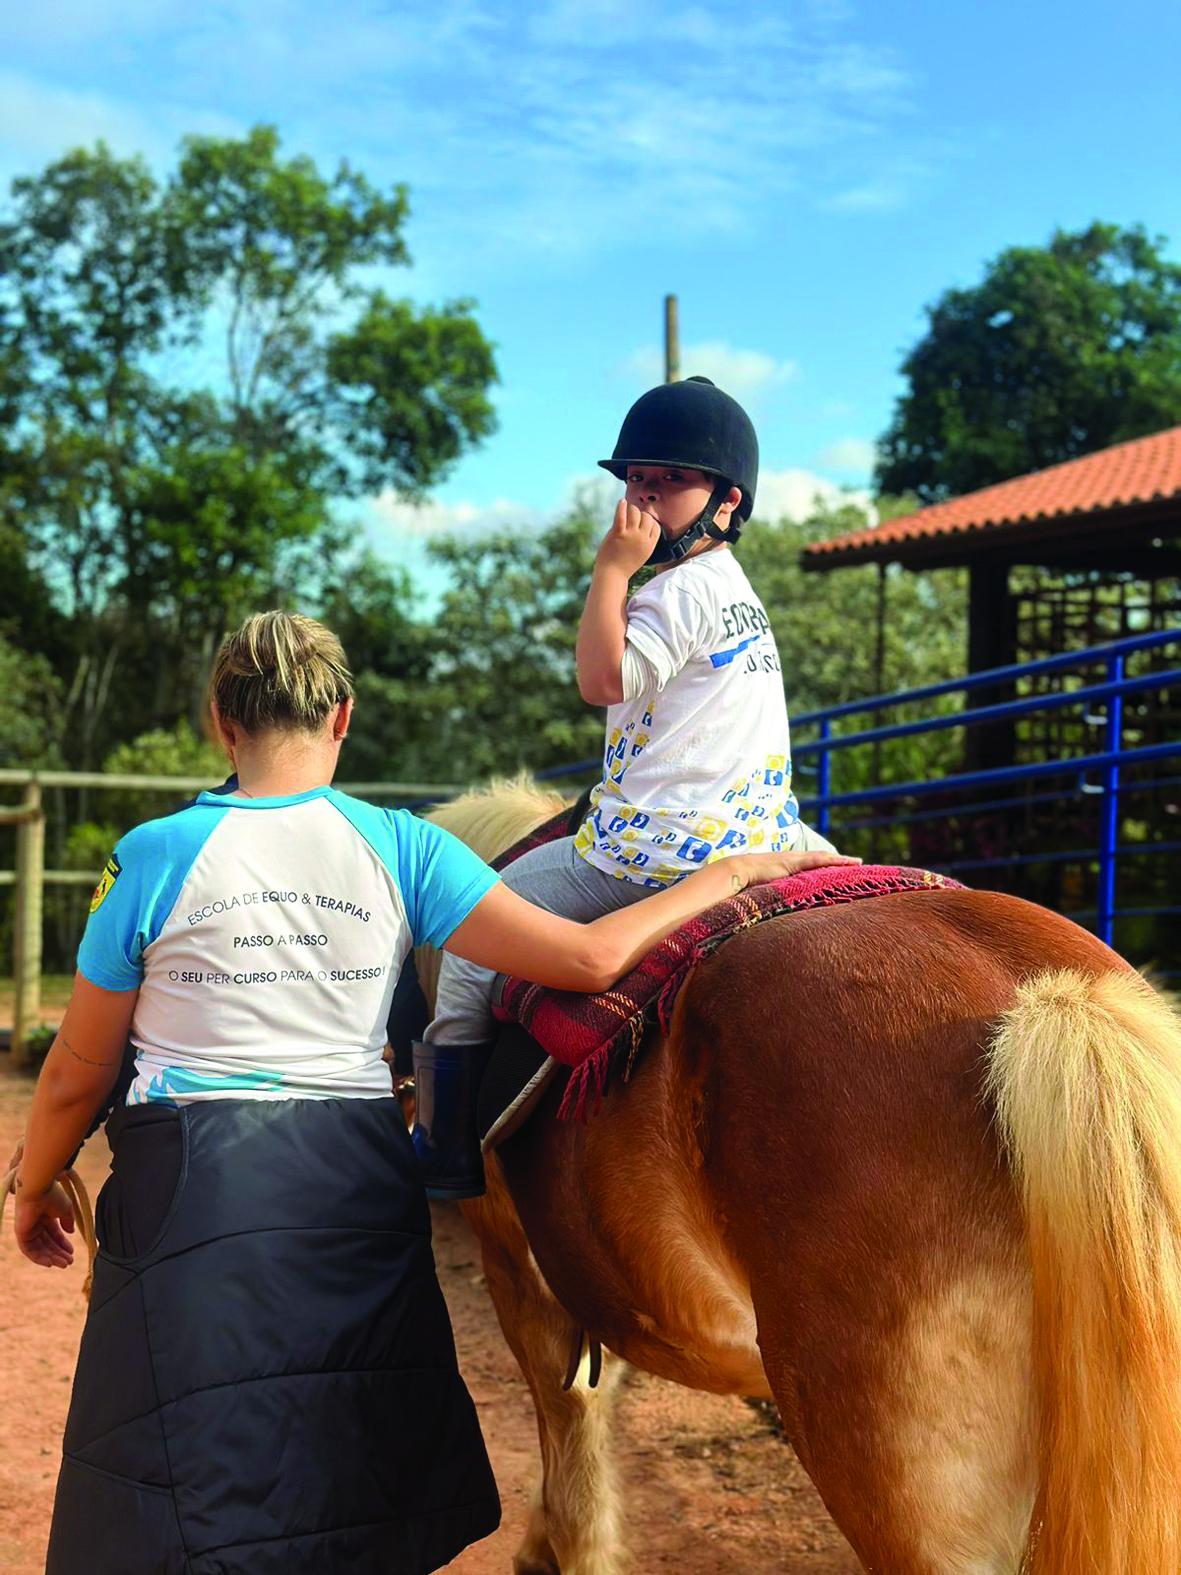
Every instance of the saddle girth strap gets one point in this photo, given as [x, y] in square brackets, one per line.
[595, 1354]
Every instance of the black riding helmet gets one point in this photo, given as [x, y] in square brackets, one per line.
[695, 425]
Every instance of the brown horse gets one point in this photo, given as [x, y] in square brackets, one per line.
[912, 1168]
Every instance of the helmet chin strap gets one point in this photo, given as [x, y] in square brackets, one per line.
[705, 524]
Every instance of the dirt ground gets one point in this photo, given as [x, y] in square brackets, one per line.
[710, 1489]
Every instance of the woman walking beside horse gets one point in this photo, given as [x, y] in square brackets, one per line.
[266, 1380]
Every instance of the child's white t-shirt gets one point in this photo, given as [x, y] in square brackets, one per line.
[698, 765]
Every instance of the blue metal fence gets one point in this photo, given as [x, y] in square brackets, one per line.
[976, 790]
[820, 745]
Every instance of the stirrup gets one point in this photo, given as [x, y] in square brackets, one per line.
[445, 1136]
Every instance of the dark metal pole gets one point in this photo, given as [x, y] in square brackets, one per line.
[672, 341]
[1109, 812]
[879, 684]
[823, 778]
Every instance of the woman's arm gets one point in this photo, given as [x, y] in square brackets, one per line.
[78, 1074]
[509, 934]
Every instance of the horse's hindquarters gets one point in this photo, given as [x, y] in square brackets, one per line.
[840, 1056]
[807, 1179]
[624, 1231]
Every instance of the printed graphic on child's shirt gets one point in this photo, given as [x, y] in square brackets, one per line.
[656, 846]
[701, 768]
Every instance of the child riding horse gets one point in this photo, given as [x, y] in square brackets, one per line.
[697, 760]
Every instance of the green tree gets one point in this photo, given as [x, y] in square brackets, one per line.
[507, 631]
[826, 624]
[163, 511]
[1059, 351]
[86, 823]
[371, 606]
[32, 718]
[498, 690]
[163, 752]
[96, 818]
[28, 616]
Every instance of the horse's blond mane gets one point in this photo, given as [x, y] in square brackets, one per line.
[489, 820]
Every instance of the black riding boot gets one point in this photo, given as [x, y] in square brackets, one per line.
[445, 1136]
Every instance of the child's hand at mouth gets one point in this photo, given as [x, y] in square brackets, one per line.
[629, 543]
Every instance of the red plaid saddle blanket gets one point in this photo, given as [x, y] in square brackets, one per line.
[594, 1034]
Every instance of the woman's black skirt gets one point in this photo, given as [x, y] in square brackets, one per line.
[267, 1378]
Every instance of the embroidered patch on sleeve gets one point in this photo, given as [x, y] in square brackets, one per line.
[111, 872]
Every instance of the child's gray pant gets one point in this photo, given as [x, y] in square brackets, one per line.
[560, 881]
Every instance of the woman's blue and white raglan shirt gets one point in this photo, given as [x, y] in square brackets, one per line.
[265, 936]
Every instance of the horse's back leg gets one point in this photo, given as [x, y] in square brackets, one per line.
[915, 1423]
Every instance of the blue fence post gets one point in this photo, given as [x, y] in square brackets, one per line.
[823, 776]
[1109, 810]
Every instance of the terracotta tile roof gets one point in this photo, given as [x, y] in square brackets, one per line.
[1143, 471]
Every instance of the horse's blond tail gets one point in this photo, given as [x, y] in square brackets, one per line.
[1086, 1075]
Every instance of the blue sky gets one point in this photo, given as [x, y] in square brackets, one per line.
[805, 177]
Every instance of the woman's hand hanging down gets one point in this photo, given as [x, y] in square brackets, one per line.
[41, 1222]
[78, 1074]
[44, 1224]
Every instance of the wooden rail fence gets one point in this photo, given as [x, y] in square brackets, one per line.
[30, 877]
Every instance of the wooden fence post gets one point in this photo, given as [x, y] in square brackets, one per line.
[29, 907]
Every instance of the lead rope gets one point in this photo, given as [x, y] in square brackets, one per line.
[73, 1188]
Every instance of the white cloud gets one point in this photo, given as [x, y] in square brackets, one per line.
[796, 494]
[74, 22]
[392, 516]
[596, 489]
[889, 184]
[400, 530]
[40, 121]
[782, 494]
[854, 69]
[514, 125]
[855, 454]
[743, 373]
[878, 196]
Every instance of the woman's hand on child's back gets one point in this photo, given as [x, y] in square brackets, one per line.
[755, 869]
[628, 545]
